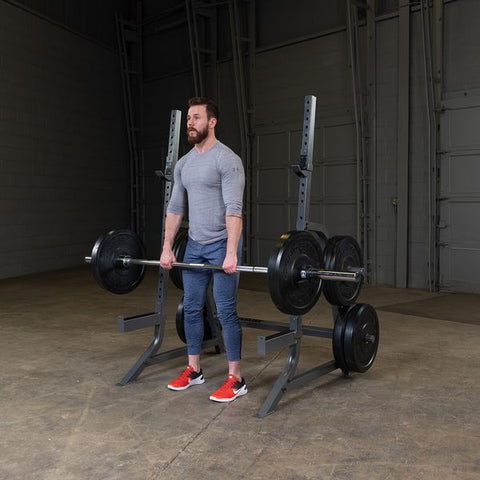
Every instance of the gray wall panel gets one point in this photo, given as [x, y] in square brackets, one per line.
[461, 175]
[460, 252]
[318, 67]
[339, 142]
[333, 181]
[279, 190]
[418, 215]
[340, 183]
[459, 232]
[464, 226]
[462, 44]
[459, 211]
[341, 219]
[271, 221]
[462, 277]
[461, 127]
[386, 147]
[277, 26]
[272, 150]
[318, 184]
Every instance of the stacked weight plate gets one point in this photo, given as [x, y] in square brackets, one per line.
[356, 328]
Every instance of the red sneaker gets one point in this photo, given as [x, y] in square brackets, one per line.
[186, 379]
[230, 390]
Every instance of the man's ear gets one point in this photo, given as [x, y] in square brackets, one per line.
[212, 122]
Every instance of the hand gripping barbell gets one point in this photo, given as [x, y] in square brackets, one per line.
[295, 268]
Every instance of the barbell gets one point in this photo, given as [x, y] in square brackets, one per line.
[296, 267]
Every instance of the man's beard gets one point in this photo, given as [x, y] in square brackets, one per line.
[198, 138]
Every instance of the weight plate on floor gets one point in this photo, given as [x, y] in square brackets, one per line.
[295, 251]
[179, 247]
[180, 323]
[338, 340]
[109, 272]
[342, 253]
[361, 337]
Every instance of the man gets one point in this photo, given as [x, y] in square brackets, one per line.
[209, 182]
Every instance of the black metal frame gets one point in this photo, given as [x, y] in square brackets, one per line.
[287, 335]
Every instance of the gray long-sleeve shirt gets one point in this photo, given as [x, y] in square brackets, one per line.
[211, 186]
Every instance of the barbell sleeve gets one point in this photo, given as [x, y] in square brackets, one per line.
[348, 276]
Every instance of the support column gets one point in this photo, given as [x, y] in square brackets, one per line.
[403, 142]
[437, 22]
[369, 171]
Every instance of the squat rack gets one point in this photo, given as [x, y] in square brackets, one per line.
[287, 335]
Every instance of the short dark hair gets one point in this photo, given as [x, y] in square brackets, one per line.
[210, 105]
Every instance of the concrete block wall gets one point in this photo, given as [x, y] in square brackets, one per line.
[63, 151]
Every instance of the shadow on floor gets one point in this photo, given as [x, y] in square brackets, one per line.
[452, 307]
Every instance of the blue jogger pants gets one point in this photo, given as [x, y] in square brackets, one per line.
[195, 286]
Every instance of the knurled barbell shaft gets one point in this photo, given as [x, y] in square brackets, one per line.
[349, 276]
[126, 261]
[240, 268]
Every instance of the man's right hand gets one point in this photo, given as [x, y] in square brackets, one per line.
[167, 259]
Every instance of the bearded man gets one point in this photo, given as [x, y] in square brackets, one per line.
[208, 185]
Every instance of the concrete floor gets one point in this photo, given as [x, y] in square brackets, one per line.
[413, 415]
